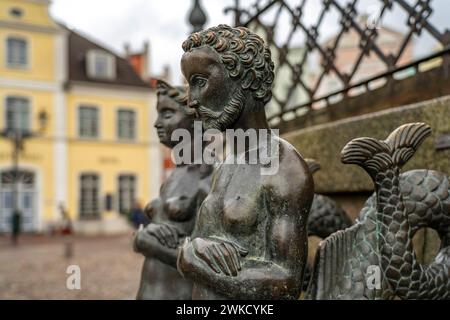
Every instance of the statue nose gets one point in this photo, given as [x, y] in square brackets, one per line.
[194, 104]
[157, 124]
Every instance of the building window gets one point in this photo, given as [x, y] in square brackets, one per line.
[88, 122]
[17, 52]
[17, 113]
[127, 193]
[89, 196]
[126, 122]
[101, 65]
[16, 12]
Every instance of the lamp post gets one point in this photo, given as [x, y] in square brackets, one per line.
[17, 137]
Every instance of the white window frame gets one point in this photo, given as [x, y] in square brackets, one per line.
[134, 120]
[91, 58]
[29, 106]
[12, 65]
[81, 215]
[88, 106]
[135, 191]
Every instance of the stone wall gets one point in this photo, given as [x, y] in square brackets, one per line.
[325, 142]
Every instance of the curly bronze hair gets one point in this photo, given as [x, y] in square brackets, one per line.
[178, 94]
[244, 54]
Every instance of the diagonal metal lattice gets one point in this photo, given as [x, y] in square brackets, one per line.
[296, 37]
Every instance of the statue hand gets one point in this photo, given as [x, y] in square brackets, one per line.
[221, 257]
[142, 242]
[166, 234]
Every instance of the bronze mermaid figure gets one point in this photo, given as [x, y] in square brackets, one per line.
[250, 239]
[401, 205]
[173, 214]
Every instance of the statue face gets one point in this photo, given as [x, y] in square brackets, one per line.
[170, 117]
[211, 90]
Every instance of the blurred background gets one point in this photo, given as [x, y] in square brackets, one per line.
[79, 158]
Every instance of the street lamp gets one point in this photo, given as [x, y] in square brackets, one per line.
[17, 137]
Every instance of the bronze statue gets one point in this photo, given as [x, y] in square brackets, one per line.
[326, 215]
[250, 238]
[382, 238]
[325, 218]
[173, 214]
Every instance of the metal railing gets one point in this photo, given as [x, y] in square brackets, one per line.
[322, 49]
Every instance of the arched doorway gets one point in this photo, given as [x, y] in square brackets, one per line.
[27, 199]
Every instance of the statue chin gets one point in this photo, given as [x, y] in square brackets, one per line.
[222, 123]
[227, 117]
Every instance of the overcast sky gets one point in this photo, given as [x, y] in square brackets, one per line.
[164, 23]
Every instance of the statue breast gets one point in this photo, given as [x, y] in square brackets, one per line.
[240, 214]
[179, 208]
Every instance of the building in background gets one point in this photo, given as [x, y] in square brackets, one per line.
[283, 84]
[140, 62]
[98, 154]
[389, 41]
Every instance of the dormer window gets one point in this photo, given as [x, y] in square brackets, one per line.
[101, 65]
[16, 12]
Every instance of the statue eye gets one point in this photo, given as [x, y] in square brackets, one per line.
[167, 114]
[198, 81]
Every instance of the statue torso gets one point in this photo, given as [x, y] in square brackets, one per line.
[179, 199]
[238, 209]
[181, 195]
[235, 208]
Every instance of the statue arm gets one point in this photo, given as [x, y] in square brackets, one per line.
[277, 277]
[151, 247]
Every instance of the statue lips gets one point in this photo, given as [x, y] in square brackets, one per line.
[161, 134]
[193, 105]
[203, 112]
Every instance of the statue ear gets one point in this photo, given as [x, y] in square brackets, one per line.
[248, 79]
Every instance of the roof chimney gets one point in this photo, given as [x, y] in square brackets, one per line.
[126, 48]
[139, 60]
[146, 61]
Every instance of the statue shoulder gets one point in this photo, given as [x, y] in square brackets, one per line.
[292, 164]
[293, 179]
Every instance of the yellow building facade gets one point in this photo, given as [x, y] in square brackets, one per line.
[97, 154]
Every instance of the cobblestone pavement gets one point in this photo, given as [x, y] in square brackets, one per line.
[36, 269]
